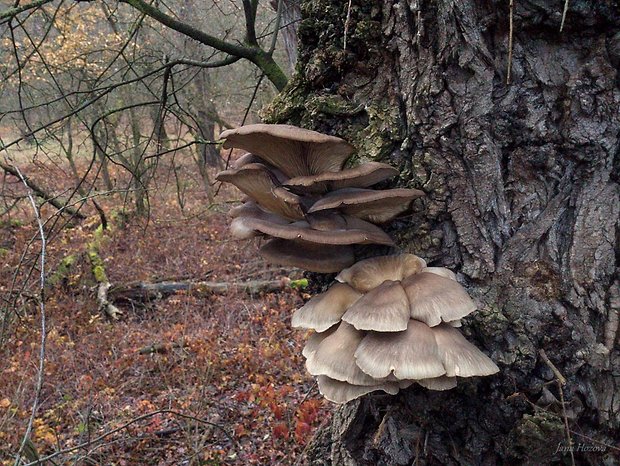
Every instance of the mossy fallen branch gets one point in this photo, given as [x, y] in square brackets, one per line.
[141, 292]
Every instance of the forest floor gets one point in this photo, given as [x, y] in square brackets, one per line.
[189, 379]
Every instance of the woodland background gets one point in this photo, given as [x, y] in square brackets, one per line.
[116, 149]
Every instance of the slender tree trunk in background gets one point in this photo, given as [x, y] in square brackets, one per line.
[291, 15]
[207, 155]
[523, 200]
[102, 139]
[140, 175]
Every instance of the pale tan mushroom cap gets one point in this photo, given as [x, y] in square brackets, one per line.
[434, 298]
[252, 210]
[246, 159]
[334, 357]
[412, 354]
[387, 345]
[383, 309]
[295, 151]
[442, 271]
[255, 180]
[343, 392]
[326, 309]
[460, 357]
[314, 340]
[246, 227]
[367, 274]
[438, 383]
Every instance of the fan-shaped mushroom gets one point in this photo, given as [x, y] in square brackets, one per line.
[295, 151]
[368, 204]
[362, 176]
[326, 309]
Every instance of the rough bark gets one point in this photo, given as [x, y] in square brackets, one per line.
[523, 200]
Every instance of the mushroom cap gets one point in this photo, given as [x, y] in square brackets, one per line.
[383, 309]
[362, 176]
[438, 383]
[258, 182]
[376, 206]
[442, 271]
[295, 151]
[329, 221]
[434, 298]
[343, 392]
[301, 230]
[412, 354]
[326, 309]
[314, 257]
[370, 273]
[314, 340]
[246, 159]
[460, 357]
[252, 210]
[334, 357]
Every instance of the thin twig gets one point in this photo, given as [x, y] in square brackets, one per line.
[346, 25]
[510, 36]
[554, 369]
[564, 15]
[561, 380]
[39, 385]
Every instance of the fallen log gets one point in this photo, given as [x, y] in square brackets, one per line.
[141, 292]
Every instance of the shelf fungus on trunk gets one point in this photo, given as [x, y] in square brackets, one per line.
[311, 209]
[386, 323]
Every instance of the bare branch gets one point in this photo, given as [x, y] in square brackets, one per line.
[12, 12]
[40, 373]
[262, 59]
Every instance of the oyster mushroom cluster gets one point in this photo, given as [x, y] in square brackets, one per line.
[301, 196]
[386, 323]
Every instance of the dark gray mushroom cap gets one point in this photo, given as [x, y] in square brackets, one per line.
[295, 151]
[321, 258]
[374, 206]
[362, 176]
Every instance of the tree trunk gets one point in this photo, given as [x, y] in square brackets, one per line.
[523, 200]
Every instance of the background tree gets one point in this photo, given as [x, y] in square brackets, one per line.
[506, 115]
